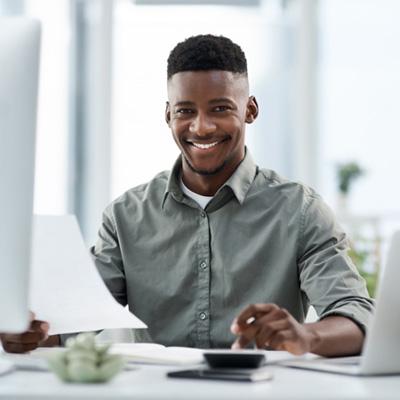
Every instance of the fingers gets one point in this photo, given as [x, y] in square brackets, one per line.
[19, 347]
[247, 334]
[241, 342]
[249, 314]
[26, 338]
[249, 322]
[27, 341]
[39, 326]
[269, 333]
[266, 325]
[281, 340]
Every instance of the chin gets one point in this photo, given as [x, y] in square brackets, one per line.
[208, 170]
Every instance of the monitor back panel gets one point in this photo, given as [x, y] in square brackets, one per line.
[19, 60]
[381, 353]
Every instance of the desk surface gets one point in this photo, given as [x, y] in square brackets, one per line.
[150, 382]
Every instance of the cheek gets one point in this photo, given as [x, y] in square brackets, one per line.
[179, 127]
[177, 131]
[234, 125]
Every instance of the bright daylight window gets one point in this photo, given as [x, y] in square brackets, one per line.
[360, 94]
[359, 121]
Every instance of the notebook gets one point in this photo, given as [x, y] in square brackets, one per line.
[381, 351]
[152, 353]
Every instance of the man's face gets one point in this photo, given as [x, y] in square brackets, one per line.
[207, 112]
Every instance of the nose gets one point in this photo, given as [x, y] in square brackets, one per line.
[202, 125]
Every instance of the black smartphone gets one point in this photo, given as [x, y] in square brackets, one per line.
[236, 374]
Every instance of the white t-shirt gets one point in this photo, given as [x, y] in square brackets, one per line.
[201, 200]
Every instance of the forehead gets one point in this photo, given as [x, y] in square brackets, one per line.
[198, 86]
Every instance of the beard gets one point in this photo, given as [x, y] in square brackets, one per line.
[206, 172]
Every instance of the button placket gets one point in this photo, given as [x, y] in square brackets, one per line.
[203, 316]
[203, 296]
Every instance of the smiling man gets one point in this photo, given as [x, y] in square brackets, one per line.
[207, 112]
[219, 252]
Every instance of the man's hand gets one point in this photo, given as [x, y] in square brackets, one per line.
[35, 336]
[271, 326]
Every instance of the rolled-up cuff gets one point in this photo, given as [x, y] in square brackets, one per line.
[65, 336]
[359, 312]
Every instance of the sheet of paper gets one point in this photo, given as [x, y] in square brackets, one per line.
[66, 289]
[151, 353]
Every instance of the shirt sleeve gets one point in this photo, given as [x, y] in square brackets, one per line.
[328, 276]
[108, 259]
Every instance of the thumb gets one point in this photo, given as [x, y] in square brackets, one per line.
[32, 315]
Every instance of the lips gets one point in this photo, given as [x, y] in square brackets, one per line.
[205, 145]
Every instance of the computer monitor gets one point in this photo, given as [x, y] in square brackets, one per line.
[19, 64]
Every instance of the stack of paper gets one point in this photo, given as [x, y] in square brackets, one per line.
[150, 353]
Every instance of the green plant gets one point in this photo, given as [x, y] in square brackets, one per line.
[84, 361]
[346, 174]
[359, 258]
[371, 279]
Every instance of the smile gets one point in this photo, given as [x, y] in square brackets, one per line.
[204, 145]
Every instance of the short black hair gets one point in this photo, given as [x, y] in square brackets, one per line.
[206, 52]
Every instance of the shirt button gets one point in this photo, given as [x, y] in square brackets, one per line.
[203, 214]
[202, 316]
[203, 265]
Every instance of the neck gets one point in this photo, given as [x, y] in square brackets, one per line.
[202, 185]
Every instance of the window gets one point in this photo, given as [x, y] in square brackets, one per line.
[143, 38]
[360, 97]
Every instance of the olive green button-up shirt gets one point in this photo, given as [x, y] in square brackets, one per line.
[187, 272]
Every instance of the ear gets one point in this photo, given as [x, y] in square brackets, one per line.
[252, 110]
[167, 113]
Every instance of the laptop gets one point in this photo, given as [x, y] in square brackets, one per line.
[381, 351]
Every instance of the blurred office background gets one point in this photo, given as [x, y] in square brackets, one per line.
[325, 73]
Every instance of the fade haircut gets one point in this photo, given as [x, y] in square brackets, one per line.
[206, 52]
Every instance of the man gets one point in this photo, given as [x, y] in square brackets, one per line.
[219, 239]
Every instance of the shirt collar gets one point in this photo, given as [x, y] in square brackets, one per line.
[173, 186]
[239, 182]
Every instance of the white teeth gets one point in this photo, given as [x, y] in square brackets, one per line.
[204, 145]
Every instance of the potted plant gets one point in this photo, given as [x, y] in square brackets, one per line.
[347, 173]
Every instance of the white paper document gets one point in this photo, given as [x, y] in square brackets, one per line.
[66, 289]
[152, 353]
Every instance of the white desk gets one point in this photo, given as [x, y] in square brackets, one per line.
[150, 382]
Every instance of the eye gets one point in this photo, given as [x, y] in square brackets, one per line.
[183, 111]
[221, 108]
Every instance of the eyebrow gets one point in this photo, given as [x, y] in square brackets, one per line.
[213, 101]
[221, 100]
[183, 103]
